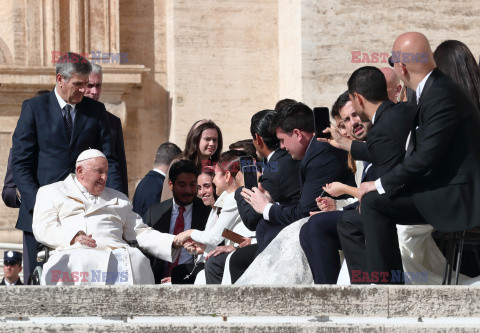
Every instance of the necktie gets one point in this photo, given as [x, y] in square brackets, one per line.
[179, 227]
[67, 118]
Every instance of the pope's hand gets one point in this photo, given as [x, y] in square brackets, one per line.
[85, 240]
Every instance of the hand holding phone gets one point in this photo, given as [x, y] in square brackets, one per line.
[250, 176]
[321, 118]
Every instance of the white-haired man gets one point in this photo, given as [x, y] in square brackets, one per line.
[93, 91]
[89, 225]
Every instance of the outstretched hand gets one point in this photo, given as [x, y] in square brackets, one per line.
[336, 139]
[194, 247]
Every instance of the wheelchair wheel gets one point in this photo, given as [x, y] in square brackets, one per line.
[34, 278]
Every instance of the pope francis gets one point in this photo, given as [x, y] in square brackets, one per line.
[88, 226]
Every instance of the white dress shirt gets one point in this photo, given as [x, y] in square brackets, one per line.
[10, 284]
[160, 172]
[185, 257]
[62, 104]
[418, 91]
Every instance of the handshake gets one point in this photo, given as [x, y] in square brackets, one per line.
[184, 240]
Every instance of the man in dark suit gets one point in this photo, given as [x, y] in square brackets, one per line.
[183, 212]
[10, 194]
[384, 148]
[320, 164]
[149, 190]
[94, 90]
[438, 181]
[53, 129]
[12, 266]
[276, 179]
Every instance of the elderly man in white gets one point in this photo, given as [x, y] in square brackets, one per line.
[88, 226]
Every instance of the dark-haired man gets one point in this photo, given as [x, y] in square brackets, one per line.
[384, 148]
[183, 212]
[321, 164]
[149, 190]
[438, 181]
[276, 179]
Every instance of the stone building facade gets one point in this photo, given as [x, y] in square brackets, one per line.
[169, 62]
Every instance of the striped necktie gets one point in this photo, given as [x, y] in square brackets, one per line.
[67, 118]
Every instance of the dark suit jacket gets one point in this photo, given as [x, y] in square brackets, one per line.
[119, 148]
[441, 169]
[19, 283]
[385, 142]
[148, 192]
[42, 154]
[158, 217]
[279, 179]
[9, 191]
[321, 164]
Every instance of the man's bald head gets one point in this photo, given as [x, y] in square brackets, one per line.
[414, 58]
[393, 83]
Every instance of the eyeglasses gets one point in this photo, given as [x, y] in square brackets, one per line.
[391, 63]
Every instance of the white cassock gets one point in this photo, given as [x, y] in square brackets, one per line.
[64, 208]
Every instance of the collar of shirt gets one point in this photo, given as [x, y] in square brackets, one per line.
[10, 284]
[373, 118]
[62, 104]
[85, 192]
[270, 156]
[310, 143]
[160, 172]
[421, 85]
[188, 208]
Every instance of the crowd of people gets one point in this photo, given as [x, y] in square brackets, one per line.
[400, 162]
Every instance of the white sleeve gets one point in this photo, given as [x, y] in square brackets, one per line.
[156, 243]
[46, 225]
[378, 185]
[266, 211]
[227, 218]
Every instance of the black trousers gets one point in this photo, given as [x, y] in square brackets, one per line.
[180, 272]
[214, 267]
[30, 251]
[352, 238]
[319, 241]
[240, 260]
[380, 215]
[265, 234]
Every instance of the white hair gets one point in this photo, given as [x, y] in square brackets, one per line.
[97, 69]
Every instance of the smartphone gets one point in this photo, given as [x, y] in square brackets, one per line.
[321, 117]
[246, 160]
[250, 176]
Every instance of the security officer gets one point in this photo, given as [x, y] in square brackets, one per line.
[12, 266]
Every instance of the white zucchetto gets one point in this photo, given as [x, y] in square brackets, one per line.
[90, 153]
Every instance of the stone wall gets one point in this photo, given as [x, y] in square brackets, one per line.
[222, 63]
